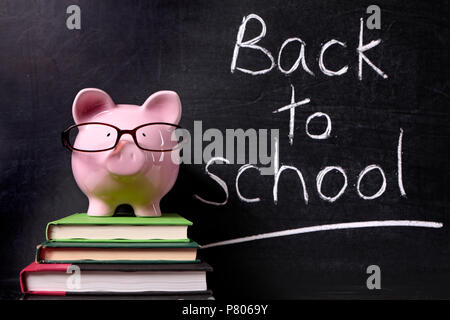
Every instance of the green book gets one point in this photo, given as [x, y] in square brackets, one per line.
[117, 252]
[79, 227]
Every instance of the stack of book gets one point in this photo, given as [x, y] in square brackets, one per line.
[117, 257]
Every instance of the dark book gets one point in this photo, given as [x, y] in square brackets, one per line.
[206, 295]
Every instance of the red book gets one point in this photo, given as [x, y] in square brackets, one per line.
[42, 269]
[62, 279]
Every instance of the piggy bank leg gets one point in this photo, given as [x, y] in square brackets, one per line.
[151, 210]
[98, 207]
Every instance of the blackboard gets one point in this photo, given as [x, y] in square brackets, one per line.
[132, 49]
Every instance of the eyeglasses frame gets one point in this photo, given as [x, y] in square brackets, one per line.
[66, 141]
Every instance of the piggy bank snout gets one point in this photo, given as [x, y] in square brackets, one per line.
[126, 159]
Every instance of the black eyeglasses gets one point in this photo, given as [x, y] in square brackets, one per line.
[98, 136]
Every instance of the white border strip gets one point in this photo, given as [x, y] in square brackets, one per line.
[326, 227]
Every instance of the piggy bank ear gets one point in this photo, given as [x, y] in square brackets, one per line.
[164, 106]
[90, 102]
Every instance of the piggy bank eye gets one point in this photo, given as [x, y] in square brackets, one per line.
[157, 136]
[93, 137]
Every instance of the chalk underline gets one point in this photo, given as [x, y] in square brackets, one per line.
[327, 227]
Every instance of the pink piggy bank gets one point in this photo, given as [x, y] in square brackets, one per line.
[124, 154]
